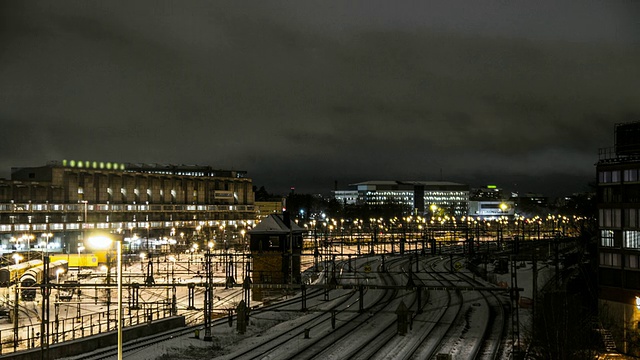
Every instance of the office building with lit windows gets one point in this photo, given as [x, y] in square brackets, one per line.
[618, 175]
[156, 204]
[490, 202]
[416, 196]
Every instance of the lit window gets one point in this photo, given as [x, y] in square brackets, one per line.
[631, 239]
[606, 238]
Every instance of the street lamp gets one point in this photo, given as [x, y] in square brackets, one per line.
[28, 239]
[47, 236]
[104, 242]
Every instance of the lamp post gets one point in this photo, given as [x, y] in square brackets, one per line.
[104, 242]
[16, 258]
[28, 239]
[172, 259]
[47, 236]
[80, 248]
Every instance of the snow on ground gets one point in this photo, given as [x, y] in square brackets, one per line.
[227, 340]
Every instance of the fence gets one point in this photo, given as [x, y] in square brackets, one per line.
[60, 330]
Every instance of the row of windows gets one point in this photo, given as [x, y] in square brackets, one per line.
[446, 193]
[614, 260]
[612, 218]
[613, 176]
[450, 198]
[119, 207]
[630, 239]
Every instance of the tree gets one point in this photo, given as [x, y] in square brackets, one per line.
[262, 194]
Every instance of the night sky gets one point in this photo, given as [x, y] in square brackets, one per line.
[521, 94]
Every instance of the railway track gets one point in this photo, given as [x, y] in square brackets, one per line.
[465, 324]
[289, 305]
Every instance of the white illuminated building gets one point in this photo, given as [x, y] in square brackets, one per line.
[416, 196]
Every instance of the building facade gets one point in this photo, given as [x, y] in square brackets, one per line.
[416, 196]
[618, 175]
[62, 201]
[491, 202]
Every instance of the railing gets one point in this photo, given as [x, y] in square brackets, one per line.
[610, 154]
[77, 327]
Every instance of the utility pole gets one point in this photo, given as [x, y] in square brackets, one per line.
[44, 324]
[15, 316]
[208, 298]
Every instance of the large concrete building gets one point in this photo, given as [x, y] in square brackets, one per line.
[416, 196]
[62, 201]
[618, 174]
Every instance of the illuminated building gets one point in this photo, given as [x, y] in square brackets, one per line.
[490, 202]
[451, 197]
[618, 174]
[266, 208]
[65, 199]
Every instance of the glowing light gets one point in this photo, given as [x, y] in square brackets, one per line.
[98, 242]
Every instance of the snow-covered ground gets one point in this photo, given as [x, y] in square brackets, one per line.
[226, 340]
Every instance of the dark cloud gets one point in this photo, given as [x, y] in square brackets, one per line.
[307, 93]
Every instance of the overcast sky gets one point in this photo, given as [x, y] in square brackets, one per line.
[521, 94]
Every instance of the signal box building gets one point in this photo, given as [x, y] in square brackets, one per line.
[618, 173]
[276, 245]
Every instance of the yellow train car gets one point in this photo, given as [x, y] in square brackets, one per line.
[78, 261]
[102, 256]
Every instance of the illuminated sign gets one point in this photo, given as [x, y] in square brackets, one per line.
[93, 164]
[637, 302]
[491, 187]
